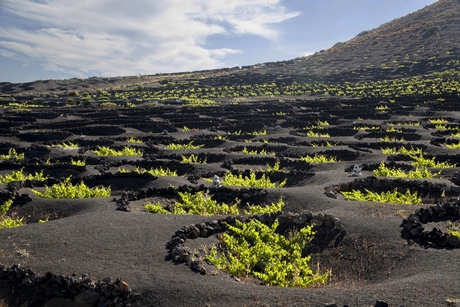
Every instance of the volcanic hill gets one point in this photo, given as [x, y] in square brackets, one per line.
[123, 191]
[422, 42]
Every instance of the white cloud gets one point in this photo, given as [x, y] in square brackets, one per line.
[117, 37]
[9, 54]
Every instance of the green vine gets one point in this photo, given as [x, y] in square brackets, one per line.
[254, 248]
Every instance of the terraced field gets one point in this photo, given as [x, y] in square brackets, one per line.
[377, 181]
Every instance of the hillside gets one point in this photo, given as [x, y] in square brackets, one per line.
[160, 190]
[420, 43]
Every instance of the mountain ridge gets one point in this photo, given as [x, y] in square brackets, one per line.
[402, 47]
[419, 43]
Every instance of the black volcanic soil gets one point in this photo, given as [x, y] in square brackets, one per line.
[423, 42]
[371, 260]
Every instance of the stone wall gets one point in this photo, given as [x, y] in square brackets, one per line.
[87, 291]
[413, 228]
[180, 253]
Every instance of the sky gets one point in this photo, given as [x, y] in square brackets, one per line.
[61, 39]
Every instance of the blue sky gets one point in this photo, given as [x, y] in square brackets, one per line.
[59, 39]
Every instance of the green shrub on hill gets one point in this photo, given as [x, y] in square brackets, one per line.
[402, 151]
[78, 162]
[255, 249]
[189, 145]
[318, 158]
[394, 197]
[12, 155]
[156, 208]
[105, 151]
[6, 221]
[19, 176]
[272, 208]
[192, 159]
[201, 203]
[383, 171]
[251, 181]
[419, 160]
[66, 189]
[256, 152]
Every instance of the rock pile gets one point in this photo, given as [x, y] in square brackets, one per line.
[123, 203]
[456, 178]
[413, 225]
[26, 287]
